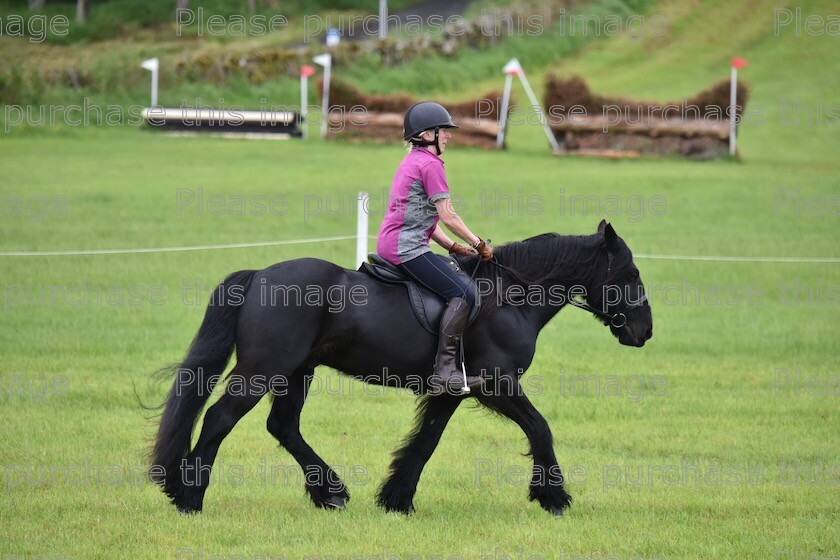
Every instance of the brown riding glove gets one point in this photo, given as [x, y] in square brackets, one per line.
[460, 250]
[485, 250]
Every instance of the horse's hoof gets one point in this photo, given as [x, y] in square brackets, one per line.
[335, 502]
[556, 512]
[401, 509]
[183, 510]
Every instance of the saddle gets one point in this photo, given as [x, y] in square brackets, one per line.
[427, 305]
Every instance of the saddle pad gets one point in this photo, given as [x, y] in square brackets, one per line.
[428, 306]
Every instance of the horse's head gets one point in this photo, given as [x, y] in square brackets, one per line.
[619, 292]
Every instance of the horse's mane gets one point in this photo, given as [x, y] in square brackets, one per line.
[548, 258]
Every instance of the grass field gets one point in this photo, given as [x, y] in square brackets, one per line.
[718, 439]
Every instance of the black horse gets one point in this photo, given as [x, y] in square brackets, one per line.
[373, 336]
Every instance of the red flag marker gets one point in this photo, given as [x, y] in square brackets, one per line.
[306, 71]
[738, 62]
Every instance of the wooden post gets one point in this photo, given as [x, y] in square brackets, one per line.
[82, 10]
[383, 20]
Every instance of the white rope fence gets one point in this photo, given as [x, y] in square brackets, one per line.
[719, 258]
[709, 258]
[362, 238]
[173, 249]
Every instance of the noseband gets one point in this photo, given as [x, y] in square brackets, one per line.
[617, 320]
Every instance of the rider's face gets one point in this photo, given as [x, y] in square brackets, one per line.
[443, 137]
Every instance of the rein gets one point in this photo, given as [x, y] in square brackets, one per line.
[617, 320]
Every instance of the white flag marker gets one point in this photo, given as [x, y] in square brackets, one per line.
[325, 60]
[152, 65]
[513, 68]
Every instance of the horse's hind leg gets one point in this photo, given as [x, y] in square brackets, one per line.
[240, 397]
[433, 413]
[324, 486]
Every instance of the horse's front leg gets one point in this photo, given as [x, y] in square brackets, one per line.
[546, 479]
[433, 413]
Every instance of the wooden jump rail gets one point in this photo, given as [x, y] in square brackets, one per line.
[356, 116]
[388, 127]
[229, 122]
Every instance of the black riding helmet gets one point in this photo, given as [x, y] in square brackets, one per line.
[426, 115]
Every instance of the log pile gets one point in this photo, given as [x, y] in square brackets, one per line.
[588, 124]
[358, 117]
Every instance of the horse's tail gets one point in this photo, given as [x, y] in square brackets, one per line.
[196, 377]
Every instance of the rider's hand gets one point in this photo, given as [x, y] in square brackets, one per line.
[460, 250]
[485, 250]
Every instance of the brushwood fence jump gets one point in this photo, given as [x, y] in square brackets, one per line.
[698, 127]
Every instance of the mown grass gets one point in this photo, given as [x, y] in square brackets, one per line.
[702, 394]
[752, 453]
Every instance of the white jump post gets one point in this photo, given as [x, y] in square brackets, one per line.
[153, 65]
[500, 137]
[513, 68]
[325, 60]
[305, 72]
[362, 228]
[733, 100]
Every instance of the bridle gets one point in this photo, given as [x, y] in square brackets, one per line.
[616, 320]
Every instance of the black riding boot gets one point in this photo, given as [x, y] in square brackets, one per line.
[449, 377]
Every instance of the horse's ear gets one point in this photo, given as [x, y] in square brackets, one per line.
[609, 234]
[601, 226]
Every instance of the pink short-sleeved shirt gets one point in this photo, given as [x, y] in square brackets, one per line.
[411, 216]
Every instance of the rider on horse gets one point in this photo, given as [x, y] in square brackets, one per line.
[419, 199]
